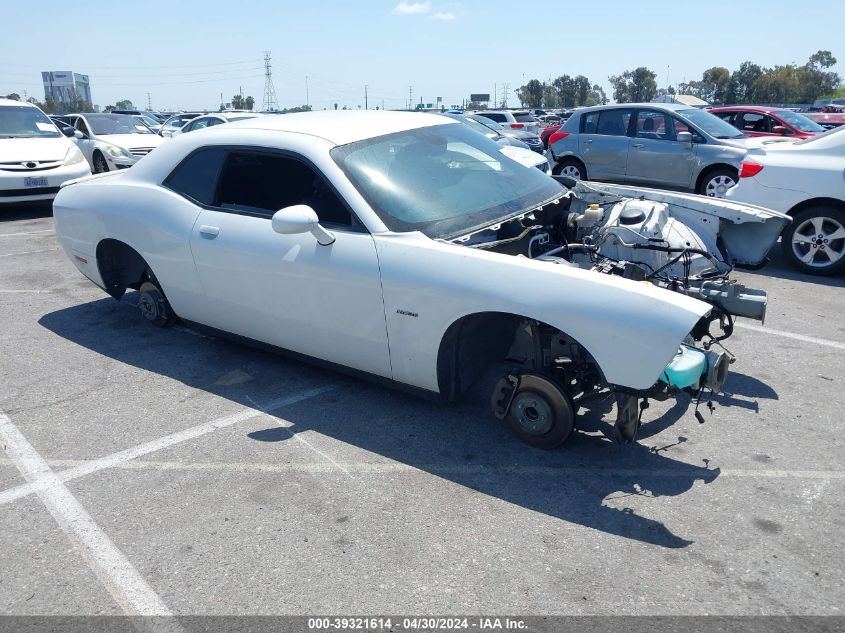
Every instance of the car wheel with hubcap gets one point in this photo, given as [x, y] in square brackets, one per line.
[154, 305]
[572, 168]
[541, 413]
[814, 242]
[717, 183]
[100, 164]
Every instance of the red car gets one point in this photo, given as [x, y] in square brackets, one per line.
[547, 132]
[761, 121]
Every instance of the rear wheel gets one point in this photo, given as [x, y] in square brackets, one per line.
[716, 183]
[154, 305]
[814, 242]
[541, 413]
[572, 168]
[100, 164]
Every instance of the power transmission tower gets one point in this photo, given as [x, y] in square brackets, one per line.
[410, 97]
[366, 106]
[149, 102]
[270, 104]
[505, 95]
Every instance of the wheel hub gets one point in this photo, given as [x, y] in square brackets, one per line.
[533, 413]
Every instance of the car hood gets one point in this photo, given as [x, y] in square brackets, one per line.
[524, 156]
[13, 150]
[747, 232]
[131, 141]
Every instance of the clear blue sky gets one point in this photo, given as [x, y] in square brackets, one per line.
[187, 52]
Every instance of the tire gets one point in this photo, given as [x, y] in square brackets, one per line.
[154, 305]
[716, 183]
[814, 242]
[571, 167]
[100, 164]
[541, 413]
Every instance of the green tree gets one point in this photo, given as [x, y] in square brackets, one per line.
[124, 104]
[715, 84]
[531, 94]
[249, 103]
[582, 90]
[237, 102]
[14, 96]
[638, 85]
[566, 90]
[597, 96]
[549, 96]
[744, 80]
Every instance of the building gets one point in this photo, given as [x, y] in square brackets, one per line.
[65, 86]
[687, 100]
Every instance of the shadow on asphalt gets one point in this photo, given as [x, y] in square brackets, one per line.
[20, 212]
[779, 268]
[584, 482]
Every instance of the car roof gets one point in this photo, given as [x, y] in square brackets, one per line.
[671, 107]
[744, 108]
[13, 102]
[342, 127]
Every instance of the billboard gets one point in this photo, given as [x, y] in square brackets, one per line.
[480, 97]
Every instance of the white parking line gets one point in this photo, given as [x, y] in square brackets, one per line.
[796, 337]
[111, 566]
[43, 250]
[39, 233]
[110, 461]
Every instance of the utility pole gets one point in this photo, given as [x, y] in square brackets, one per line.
[366, 103]
[495, 96]
[505, 95]
[270, 103]
[149, 102]
[410, 97]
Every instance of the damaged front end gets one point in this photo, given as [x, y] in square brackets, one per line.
[679, 242]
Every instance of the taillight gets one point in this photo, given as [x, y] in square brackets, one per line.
[517, 126]
[554, 138]
[749, 169]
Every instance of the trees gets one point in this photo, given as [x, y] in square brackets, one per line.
[636, 85]
[531, 94]
[14, 96]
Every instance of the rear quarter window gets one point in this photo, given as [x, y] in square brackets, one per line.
[196, 176]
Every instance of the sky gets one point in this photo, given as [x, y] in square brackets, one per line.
[185, 54]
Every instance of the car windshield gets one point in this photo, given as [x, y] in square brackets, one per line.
[116, 124]
[25, 122]
[148, 120]
[444, 180]
[799, 121]
[493, 125]
[831, 138]
[476, 125]
[710, 123]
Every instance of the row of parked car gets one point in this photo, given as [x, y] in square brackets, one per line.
[775, 158]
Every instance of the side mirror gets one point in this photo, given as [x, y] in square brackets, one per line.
[299, 219]
[68, 131]
[685, 138]
[780, 129]
[78, 134]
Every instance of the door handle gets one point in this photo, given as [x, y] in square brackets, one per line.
[588, 141]
[638, 145]
[209, 231]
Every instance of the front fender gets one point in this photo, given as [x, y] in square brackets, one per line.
[631, 329]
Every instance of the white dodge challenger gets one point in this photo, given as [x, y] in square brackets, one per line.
[412, 249]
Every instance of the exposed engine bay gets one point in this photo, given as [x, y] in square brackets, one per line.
[679, 242]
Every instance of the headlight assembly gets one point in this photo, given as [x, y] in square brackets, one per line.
[73, 156]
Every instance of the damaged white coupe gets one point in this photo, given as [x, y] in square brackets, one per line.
[414, 251]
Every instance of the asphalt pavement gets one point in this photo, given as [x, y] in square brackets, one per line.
[156, 471]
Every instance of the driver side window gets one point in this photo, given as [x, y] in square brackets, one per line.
[259, 184]
[80, 125]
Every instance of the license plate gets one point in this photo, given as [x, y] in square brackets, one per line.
[34, 182]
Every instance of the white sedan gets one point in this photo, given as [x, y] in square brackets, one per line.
[413, 250]
[35, 159]
[805, 180]
[112, 141]
[210, 120]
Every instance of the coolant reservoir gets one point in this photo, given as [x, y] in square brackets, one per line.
[686, 368]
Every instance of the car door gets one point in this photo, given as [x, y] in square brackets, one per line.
[86, 144]
[753, 124]
[288, 290]
[656, 156]
[603, 143]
